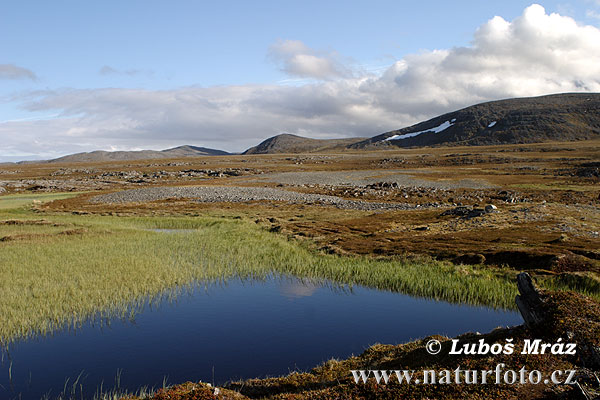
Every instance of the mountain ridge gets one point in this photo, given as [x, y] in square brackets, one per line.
[561, 117]
[288, 143]
[103, 155]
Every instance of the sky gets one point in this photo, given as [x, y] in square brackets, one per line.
[127, 75]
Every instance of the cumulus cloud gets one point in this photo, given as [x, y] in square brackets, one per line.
[297, 59]
[536, 53]
[13, 72]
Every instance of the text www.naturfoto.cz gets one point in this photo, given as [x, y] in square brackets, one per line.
[495, 376]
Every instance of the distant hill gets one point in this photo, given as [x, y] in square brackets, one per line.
[560, 117]
[286, 143]
[175, 152]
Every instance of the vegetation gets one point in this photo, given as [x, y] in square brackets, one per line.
[62, 269]
[13, 201]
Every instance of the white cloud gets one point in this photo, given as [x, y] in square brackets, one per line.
[592, 14]
[299, 60]
[108, 70]
[536, 53]
[13, 72]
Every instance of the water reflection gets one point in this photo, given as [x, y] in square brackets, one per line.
[297, 289]
[238, 329]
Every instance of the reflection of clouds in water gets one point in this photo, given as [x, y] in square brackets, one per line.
[297, 289]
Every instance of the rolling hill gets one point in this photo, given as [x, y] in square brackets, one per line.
[560, 117]
[286, 143]
[175, 152]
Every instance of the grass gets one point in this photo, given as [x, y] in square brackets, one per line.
[108, 266]
[585, 283]
[555, 186]
[75, 391]
[12, 201]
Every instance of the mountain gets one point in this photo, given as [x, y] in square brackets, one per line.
[560, 117]
[286, 143]
[175, 152]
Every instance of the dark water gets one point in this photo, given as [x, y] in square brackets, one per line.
[237, 330]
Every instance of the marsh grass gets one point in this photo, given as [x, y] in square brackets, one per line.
[585, 283]
[555, 186]
[12, 201]
[76, 390]
[55, 281]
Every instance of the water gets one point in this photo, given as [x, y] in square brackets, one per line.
[238, 330]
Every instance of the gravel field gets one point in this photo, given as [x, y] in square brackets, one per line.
[363, 178]
[211, 194]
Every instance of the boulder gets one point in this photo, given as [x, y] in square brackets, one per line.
[490, 208]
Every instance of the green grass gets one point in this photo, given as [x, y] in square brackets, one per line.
[555, 186]
[586, 283]
[115, 264]
[12, 201]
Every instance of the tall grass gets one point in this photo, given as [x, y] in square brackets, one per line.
[52, 281]
[75, 390]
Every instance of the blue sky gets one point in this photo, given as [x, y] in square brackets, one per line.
[76, 76]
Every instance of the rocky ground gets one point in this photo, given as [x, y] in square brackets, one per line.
[353, 178]
[236, 194]
[531, 206]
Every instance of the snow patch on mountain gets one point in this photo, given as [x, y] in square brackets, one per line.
[437, 129]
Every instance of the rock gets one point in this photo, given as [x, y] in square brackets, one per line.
[529, 301]
[460, 211]
[490, 208]
[465, 212]
[561, 239]
[476, 212]
[242, 194]
[507, 196]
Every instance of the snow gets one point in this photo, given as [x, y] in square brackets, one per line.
[492, 124]
[437, 129]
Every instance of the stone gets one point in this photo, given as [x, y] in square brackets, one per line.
[529, 300]
[476, 212]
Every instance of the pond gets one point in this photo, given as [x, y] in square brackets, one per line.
[239, 329]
